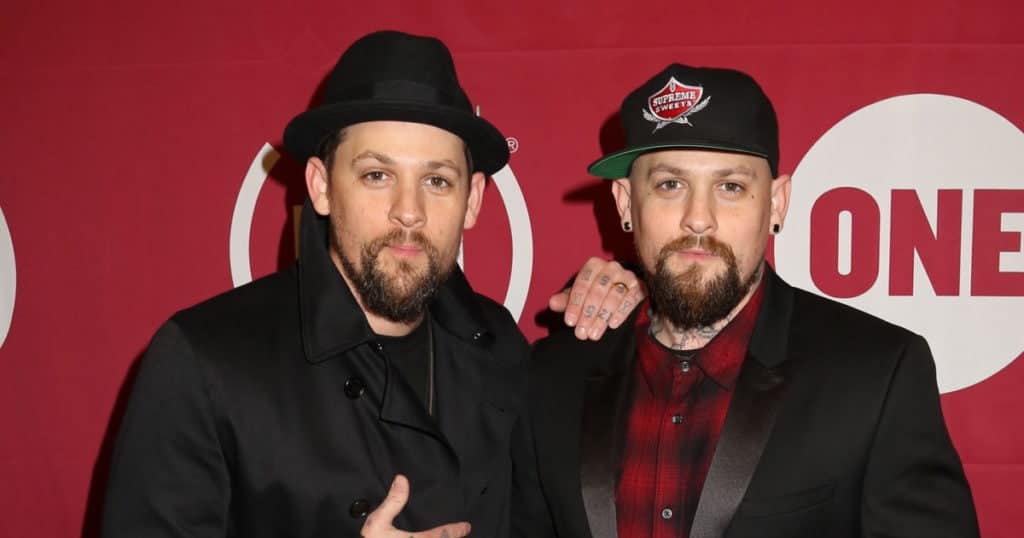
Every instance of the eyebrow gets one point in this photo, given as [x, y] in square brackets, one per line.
[447, 163]
[380, 157]
[742, 170]
[386, 160]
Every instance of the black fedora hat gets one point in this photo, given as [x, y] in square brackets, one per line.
[393, 76]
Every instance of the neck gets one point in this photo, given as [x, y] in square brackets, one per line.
[681, 338]
[386, 327]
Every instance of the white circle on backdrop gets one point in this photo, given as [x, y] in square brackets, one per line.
[504, 180]
[8, 279]
[923, 142]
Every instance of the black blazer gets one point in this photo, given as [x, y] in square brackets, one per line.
[835, 430]
[268, 412]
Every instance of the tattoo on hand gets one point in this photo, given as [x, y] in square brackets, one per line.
[626, 305]
[585, 275]
[588, 311]
[604, 280]
[603, 314]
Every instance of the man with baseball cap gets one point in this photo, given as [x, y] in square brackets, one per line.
[286, 407]
[731, 404]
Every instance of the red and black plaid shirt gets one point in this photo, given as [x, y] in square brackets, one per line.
[673, 426]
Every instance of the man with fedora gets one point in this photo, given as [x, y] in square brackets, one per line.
[286, 407]
[731, 404]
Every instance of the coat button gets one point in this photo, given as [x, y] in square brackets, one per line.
[359, 508]
[354, 387]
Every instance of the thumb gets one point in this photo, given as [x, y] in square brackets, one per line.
[451, 530]
[559, 301]
[390, 507]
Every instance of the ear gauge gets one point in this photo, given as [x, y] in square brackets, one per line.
[775, 228]
[627, 226]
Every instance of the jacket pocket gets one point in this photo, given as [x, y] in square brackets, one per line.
[796, 501]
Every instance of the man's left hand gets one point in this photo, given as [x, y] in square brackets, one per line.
[603, 295]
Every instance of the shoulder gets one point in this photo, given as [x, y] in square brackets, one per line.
[248, 302]
[561, 354]
[856, 348]
[828, 320]
[248, 320]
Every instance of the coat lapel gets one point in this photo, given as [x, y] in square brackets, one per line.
[751, 415]
[601, 449]
[747, 427]
[602, 432]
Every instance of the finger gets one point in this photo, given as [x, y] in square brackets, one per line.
[595, 315]
[382, 518]
[630, 300]
[580, 287]
[633, 292]
[559, 301]
[451, 530]
[624, 294]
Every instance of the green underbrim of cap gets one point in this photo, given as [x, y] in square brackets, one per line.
[617, 165]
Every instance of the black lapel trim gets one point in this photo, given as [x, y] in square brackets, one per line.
[769, 343]
[747, 427]
[602, 430]
[752, 412]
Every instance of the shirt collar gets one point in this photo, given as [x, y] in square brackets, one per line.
[720, 359]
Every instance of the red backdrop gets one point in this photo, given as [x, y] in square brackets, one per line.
[129, 128]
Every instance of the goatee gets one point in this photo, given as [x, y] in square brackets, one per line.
[685, 299]
[401, 296]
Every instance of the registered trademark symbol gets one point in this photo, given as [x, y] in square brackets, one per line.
[513, 144]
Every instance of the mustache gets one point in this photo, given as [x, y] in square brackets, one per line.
[703, 242]
[399, 237]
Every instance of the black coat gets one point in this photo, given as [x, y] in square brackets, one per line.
[269, 411]
[834, 430]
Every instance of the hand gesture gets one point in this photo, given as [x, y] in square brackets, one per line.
[603, 295]
[378, 523]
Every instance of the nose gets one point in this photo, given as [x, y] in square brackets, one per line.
[699, 213]
[407, 205]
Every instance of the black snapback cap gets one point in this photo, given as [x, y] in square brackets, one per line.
[698, 108]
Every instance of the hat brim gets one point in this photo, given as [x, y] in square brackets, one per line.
[617, 165]
[305, 132]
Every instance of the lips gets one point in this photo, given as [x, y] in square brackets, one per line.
[697, 252]
[406, 249]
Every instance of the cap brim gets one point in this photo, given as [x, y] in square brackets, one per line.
[305, 132]
[617, 165]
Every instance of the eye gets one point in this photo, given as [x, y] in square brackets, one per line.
[438, 182]
[375, 176]
[669, 185]
[732, 187]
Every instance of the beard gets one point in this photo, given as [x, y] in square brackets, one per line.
[402, 295]
[685, 299]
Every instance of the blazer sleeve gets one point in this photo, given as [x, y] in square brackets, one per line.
[915, 483]
[168, 474]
